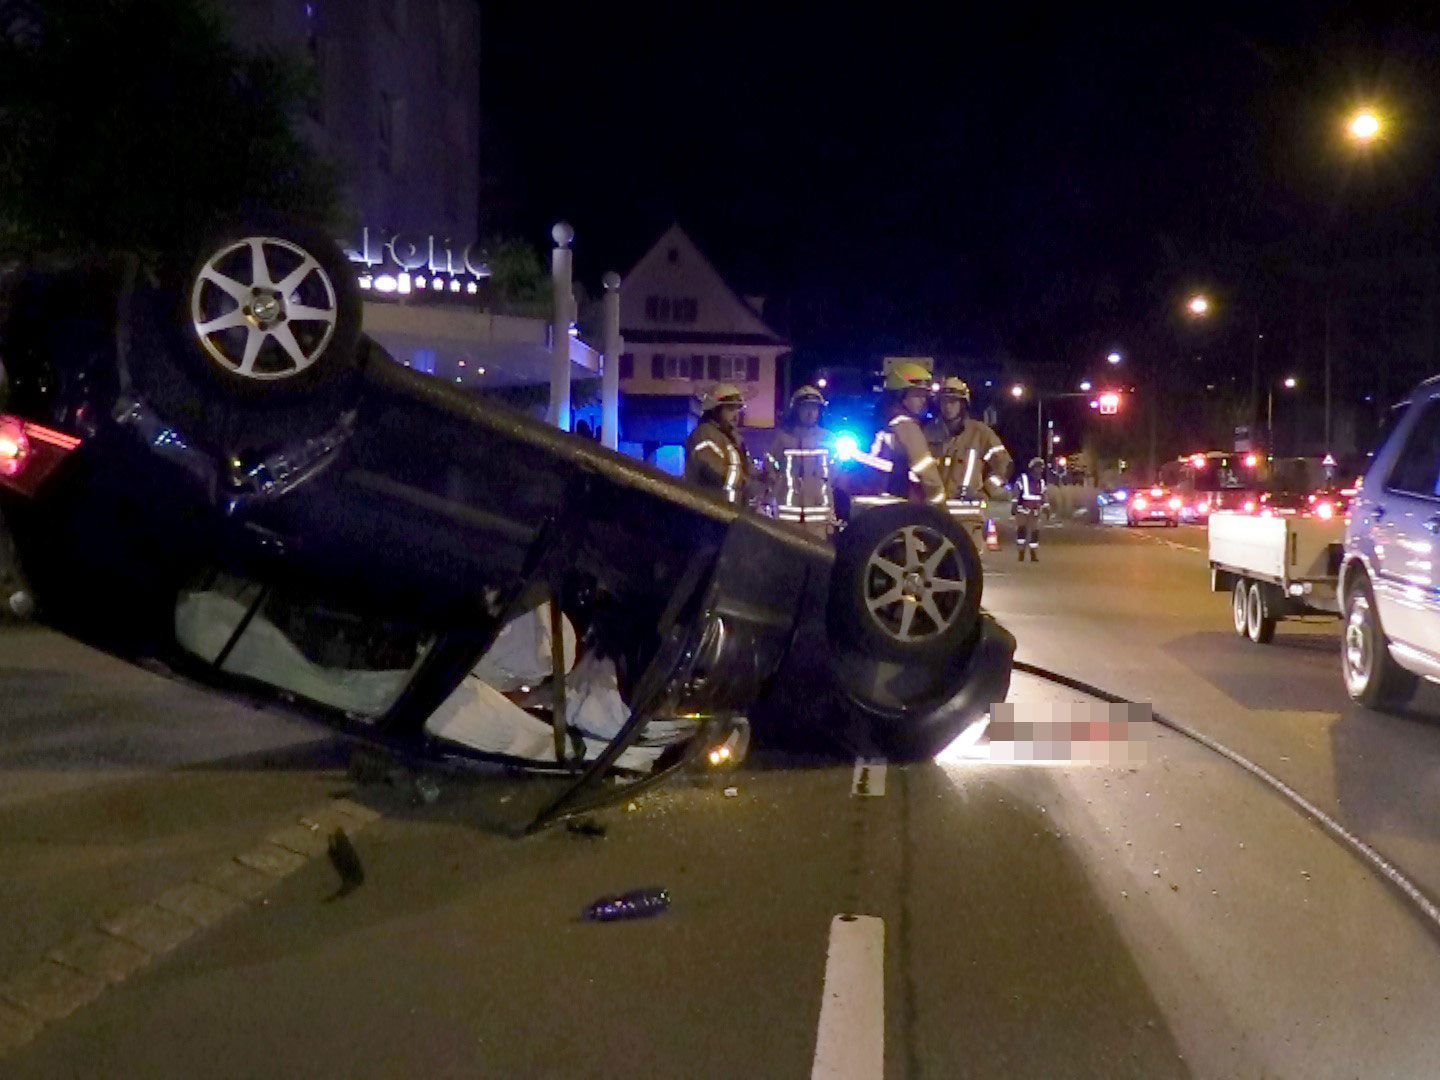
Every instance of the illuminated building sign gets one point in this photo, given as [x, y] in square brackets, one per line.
[401, 266]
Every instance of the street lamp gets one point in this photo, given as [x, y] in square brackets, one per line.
[1017, 391]
[1085, 386]
[1114, 358]
[1364, 126]
[1289, 383]
[1198, 305]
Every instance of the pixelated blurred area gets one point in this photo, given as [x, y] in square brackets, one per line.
[1044, 725]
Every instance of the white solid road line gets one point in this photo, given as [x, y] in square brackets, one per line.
[850, 1044]
[869, 779]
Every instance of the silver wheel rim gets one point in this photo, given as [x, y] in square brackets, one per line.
[1254, 612]
[1238, 608]
[1359, 646]
[915, 584]
[273, 326]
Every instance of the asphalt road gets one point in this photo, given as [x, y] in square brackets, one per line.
[1147, 911]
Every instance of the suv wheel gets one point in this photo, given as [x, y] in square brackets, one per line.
[906, 584]
[271, 307]
[1371, 675]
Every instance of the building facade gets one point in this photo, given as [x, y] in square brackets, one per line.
[685, 330]
[398, 108]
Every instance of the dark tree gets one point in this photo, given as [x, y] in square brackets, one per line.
[128, 125]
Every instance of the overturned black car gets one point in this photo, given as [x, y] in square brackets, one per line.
[210, 464]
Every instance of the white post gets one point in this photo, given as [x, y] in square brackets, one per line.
[562, 268]
[610, 373]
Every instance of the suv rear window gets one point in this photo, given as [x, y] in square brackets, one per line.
[1417, 469]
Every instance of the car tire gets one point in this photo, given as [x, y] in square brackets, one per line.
[270, 308]
[1259, 622]
[1239, 606]
[1372, 677]
[906, 585]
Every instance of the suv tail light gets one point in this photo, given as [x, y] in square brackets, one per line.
[29, 453]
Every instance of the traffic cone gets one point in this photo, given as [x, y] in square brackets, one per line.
[992, 536]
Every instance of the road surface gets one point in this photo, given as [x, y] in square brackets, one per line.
[1151, 911]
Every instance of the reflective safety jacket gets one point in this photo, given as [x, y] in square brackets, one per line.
[797, 473]
[1029, 494]
[915, 474]
[716, 459]
[973, 461]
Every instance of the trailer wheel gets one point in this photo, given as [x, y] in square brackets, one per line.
[1259, 622]
[1239, 606]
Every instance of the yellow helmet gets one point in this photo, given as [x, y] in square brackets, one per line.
[808, 395]
[955, 388]
[907, 376]
[722, 394]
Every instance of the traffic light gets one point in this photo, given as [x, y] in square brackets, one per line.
[1109, 403]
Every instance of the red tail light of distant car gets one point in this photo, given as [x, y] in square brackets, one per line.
[29, 453]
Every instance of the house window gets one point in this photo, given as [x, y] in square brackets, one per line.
[390, 133]
[752, 369]
[657, 366]
[680, 309]
[627, 365]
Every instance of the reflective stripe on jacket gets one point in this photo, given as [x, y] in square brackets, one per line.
[903, 442]
[717, 460]
[973, 461]
[1030, 492]
[797, 473]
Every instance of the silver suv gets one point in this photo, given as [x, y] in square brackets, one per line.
[1390, 575]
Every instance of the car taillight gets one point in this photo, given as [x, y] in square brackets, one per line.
[1140, 502]
[14, 447]
[1175, 504]
[1203, 508]
[29, 453]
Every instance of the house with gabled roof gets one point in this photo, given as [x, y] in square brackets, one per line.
[685, 329]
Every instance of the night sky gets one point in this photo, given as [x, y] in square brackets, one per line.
[1024, 186]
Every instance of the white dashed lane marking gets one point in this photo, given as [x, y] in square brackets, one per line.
[869, 779]
[851, 1039]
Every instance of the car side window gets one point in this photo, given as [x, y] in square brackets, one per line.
[1417, 469]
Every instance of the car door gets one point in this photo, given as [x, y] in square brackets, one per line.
[1406, 536]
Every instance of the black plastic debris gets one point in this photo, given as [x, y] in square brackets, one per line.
[587, 827]
[346, 861]
[640, 904]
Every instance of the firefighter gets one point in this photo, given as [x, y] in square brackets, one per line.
[797, 467]
[973, 461]
[1029, 498]
[715, 455]
[914, 472]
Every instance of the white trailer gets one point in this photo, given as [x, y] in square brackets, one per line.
[1275, 568]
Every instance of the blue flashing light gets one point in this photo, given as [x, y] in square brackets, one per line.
[846, 446]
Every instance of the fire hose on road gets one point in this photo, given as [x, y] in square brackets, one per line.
[1378, 863]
